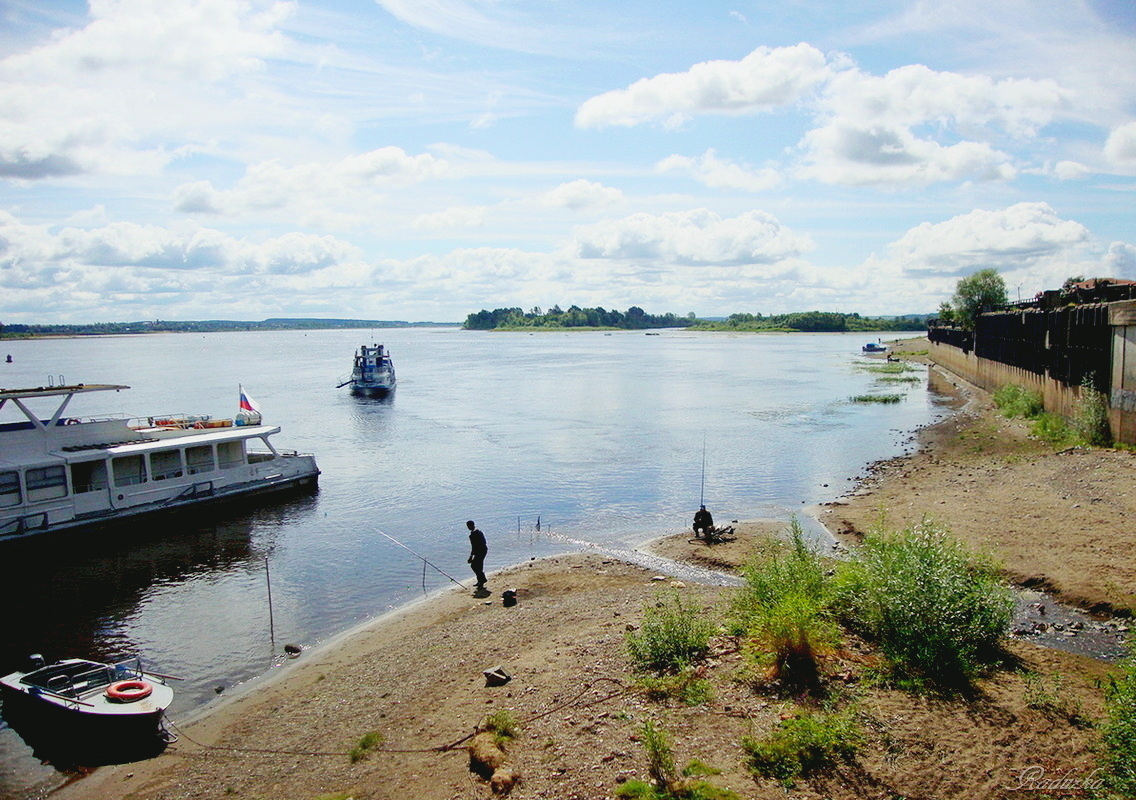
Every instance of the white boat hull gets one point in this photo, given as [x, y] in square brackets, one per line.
[67, 474]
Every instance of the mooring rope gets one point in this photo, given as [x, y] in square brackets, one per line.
[441, 748]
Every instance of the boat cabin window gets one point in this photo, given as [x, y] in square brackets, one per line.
[46, 483]
[231, 454]
[165, 464]
[199, 459]
[88, 476]
[128, 470]
[9, 489]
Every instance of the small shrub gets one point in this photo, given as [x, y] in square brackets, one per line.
[503, 727]
[660, 758]
[686, 686]
[665, 781]
[803, 745]
[936, 611]
[1118, 733]
[672, 636]
[783, 607]
[366, 744]
[1017, 401]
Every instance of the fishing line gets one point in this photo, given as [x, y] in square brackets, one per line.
[425, 560]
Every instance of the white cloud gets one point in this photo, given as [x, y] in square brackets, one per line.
[845, 153]
[150, 254]
[582, 195]
[451, 218]
[1121, 145]
[1120, 261]
[914, 94]
[692, 237]
[719, 173]
[766, 79]
[93, 99]
[1013, 239]
[321, 185]
[1070, 170]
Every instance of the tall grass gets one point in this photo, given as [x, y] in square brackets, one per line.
[1089, 424]
[937, 611]
[1118, 733]
[665, 781]
[672, 636]
[783, 609]
[1016, 401]
[1090, 418]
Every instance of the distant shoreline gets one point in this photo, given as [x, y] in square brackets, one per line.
[18, 332]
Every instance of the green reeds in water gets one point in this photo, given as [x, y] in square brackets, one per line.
[877, 398]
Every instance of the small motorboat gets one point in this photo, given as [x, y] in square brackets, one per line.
[116, 705]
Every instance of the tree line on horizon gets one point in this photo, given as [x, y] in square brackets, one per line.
[635, 318]
[18, 330]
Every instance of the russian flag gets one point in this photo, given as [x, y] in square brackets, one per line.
[248, 404]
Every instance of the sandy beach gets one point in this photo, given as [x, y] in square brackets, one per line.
[415, 677]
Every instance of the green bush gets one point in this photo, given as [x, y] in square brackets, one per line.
[1090, 419]
[803, 745]
[936, 610]
[783, 608]
[1017, 401]
[672, 636]
[1118, 733]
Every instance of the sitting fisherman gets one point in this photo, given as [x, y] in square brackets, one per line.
[703, 521]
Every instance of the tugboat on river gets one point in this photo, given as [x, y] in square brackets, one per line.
[373, 372]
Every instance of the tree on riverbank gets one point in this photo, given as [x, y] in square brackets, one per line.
[976, 294]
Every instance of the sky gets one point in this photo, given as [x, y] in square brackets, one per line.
[425, 159]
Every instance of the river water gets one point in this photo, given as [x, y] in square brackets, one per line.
[599, 436]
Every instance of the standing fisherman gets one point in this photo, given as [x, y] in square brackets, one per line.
[477, 552]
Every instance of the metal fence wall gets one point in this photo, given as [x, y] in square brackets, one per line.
[1070, 345]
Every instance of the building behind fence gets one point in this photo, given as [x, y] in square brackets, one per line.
[1056, 350]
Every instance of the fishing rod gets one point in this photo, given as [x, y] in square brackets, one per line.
[702, 491]
[424, 559]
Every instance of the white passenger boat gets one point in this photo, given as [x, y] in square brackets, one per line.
[372, 373]
[62, 473]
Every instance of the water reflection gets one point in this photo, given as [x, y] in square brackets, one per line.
[75, 593]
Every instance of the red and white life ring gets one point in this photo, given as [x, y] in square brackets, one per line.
[128, 691]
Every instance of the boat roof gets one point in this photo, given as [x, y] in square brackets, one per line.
[59, 391]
